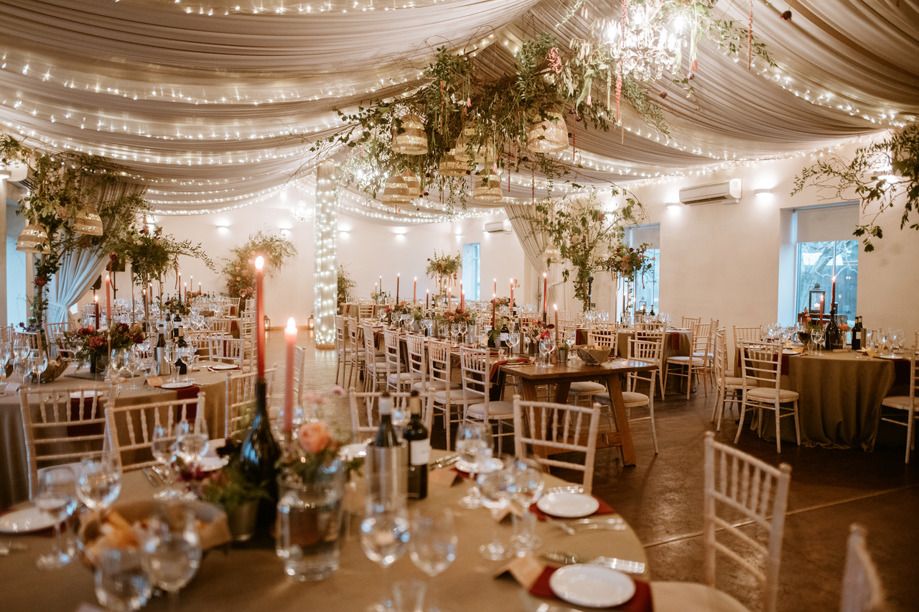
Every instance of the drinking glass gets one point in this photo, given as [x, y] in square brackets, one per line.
[428, 323]
[545, 348]
[118, 362]
[173, 548]
[385, 533]
[122, 579]
[462, 328]
[135, 365]
[56, 498]
[192, 440]
[496, 488]
[513, 339]
[163, 447]
[433, 540]
[38, 362]
[100, 481]
[474, 446]
[817, 336]
[528, 488]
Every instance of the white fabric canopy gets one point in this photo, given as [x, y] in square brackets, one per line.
[212, 107]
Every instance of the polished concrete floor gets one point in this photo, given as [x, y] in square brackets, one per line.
[661, 497]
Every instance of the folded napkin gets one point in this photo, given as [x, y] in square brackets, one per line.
[497, 364]
[640, 602]
[10, 388]
[872, 353]
[604, 508]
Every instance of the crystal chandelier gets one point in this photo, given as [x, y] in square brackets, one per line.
[646, 40]
[301, 212]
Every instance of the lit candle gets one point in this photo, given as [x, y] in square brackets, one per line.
[461, 290]
[821, 308]
[191, 283]
[833, 296]
[427, 299]
[397, 288]
[260, 315]
[199, 288]
[494, 304]
[496, 286]
[415, 290]
[512, 293]
[462, 299]
[290, 336]
[108, 301]
[96, 300]
[555, 307]
[545, 291]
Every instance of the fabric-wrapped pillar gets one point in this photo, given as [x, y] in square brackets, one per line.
[326, 282]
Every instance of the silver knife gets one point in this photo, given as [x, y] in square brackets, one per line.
[623, 565]
[444, 461]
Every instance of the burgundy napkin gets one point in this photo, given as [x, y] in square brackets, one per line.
[604, 508]
[497, 364]
[640, 602]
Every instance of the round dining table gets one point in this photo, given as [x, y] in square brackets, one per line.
[14, 476]
[250, 576]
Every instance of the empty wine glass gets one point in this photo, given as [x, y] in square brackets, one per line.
[433, 540]
[474, 446]
[513, 340]
[38, 363]
[173, 548]
[817, 336]
[385, 533]
[546, 345]
[163, 447]
[100, 481]
[57, 498]
[528, 488]
[496, 487]
[192, 440]
[122, 579]
[118, 362]
[462, 327]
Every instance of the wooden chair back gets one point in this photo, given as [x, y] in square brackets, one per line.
[365, 412]
[130, 428]
[417, 359]
[545, 430]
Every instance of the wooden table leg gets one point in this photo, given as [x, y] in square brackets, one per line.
[561, 392]
[626, 447]
[528, 389]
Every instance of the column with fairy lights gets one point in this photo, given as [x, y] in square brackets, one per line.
[326, 283]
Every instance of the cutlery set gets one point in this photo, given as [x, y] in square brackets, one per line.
[615, 523]
[622, 565]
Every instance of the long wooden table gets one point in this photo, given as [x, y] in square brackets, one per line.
[609, 373]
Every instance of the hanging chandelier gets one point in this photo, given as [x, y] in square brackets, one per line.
[301, 212]
[549, 135]
[487, 187]
[647, 39]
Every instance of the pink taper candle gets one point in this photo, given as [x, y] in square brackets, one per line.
[397, 288]
[290, 337]
[555, 307]
[260, 315]
[512, 293]
[545, 292]
[96, 300]
[415, 290]
[108, 301]
[833, 295]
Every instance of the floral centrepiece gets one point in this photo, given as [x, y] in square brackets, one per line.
[460, 315]
[442, 268]
[313, 453]
[629, 262]
[90, 343]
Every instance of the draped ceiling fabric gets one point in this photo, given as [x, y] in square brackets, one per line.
[211, 105]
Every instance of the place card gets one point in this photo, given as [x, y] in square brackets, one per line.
[525, 570]
[443, 477]
[155, 381]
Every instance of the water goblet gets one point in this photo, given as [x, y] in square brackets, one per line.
[57, 498]
[433, 540]
[528, 488]
[513, 340]
[496, 487]
[385, 533]
[462, 327]
[173, 547]
[122, 579]
[474, 446]
[546, 346]
[817, 336]
[118, 362]
[38, 363]
[192, 441]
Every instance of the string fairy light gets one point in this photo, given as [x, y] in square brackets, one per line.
[326, 281]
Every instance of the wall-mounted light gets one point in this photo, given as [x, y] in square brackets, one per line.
[759, 191]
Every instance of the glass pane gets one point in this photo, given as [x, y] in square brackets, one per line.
[647, 286]
[818, 262]
[471, 270]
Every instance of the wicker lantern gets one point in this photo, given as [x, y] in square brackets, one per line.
[455, 163]
[412, 140]
[549, 135]
[412, 184]
[487, 187]
[395, 191]
[32, 239]
[87, 221]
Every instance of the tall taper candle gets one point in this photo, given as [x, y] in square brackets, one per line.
[397, 288]
[260, 315]
[108, 301]
[96, 300]
[427, 299]
[555, 307]
[462, 299]
[545, 292]
[833, 295]
[415, 290]
[496, 286]
[512, 294]
[290, 337]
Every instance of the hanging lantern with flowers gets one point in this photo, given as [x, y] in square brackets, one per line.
[488, 186]
[411, 138]
[549, 135]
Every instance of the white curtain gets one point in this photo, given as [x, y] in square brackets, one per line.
[535, 243]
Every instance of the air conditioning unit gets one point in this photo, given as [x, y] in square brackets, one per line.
[498, 227]
[727, 192]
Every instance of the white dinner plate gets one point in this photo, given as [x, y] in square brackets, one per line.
[210, 464]
[177, 385]
[26, 520]
[490, 466]
[88, 394]
[223, 366]
[568, 505]
[594, 586]
[349, 452]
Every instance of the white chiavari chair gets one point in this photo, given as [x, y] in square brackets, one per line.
[224, 349]
[130, 427]
[727, 387]
[687, 367]
[397, 378]
[476, 368]
[905, 405]
[444, 394]
[762, 373]
[545, 430]
[365, 412]
[374, 364]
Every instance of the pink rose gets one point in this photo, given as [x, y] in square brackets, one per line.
[314, 436]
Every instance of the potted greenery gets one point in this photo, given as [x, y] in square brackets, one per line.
[239, 497]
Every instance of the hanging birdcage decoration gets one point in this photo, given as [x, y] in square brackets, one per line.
[487, 186]
[549, 135]
[33, 239]
[412, 140]
[396, 191]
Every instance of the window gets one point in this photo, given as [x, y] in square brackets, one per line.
[471, 270]
[647, 286]
[825, 249]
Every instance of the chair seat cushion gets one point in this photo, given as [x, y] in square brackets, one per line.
[455, 395]
[684, 360]
[898, 401]
[634, 400]
[733, 381]
[496, 410]
[586, 388]
[434, 385]
[768, 395]
[691, 597]
[404, 377]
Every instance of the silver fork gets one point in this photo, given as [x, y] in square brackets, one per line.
[576, 527]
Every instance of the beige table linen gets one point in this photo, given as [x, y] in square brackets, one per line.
[14, 475]
[250, 578]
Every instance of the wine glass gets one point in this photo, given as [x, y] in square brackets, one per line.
[817, 336]
[513, 339]
[118, 362]
[163, 446]
[546, 345]
[433, 540]
[192, 440]
[173, 548]
[122, 579]
[462, 328]
[474, 446]
[38, 363]
[100, 481]
[528, 488]
[496, 487]
[136, 364]
[56, 498]
[385, 533]
[428, 323]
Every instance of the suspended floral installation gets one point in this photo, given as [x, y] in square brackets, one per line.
[882, 175]
[239, 271]
[466, 127]
[444, 269]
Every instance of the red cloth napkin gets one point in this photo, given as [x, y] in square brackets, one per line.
[604, 508]
[640, 602]
[497, 364]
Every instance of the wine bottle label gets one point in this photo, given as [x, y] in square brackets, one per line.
[420, 451]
